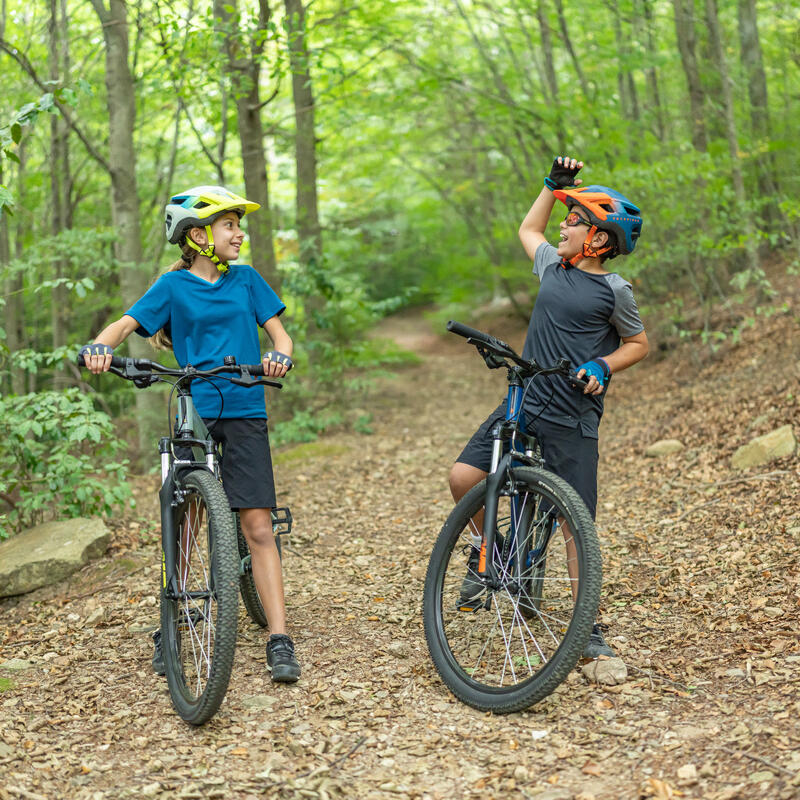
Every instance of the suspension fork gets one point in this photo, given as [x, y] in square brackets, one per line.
[497, 474]
[494, 482]
[169, 539]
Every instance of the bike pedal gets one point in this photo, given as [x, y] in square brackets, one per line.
[281, 520]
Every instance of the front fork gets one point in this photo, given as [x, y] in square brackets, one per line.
[169, 499]
[494, 481]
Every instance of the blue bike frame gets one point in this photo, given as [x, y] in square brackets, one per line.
[512, 428]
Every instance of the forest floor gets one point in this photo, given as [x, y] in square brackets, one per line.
[701, 596]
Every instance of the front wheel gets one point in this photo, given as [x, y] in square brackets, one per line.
[512, 643]
[199, 608]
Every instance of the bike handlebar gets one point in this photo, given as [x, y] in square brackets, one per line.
[500, 348]
[132, 368]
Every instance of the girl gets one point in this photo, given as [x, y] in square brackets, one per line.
[205, 309]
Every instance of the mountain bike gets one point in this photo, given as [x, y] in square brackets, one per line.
[205, 560]
[513, 582]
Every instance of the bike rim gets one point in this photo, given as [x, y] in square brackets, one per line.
[514, 630]
[195, 610]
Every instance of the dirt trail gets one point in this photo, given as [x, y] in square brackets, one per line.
[702, 597]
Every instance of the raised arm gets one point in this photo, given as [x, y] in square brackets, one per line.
[562, 173]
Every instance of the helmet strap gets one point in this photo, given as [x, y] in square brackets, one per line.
[208, 250]
[587, 251]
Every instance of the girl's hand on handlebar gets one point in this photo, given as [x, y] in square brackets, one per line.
[97, 357]
[276, 364]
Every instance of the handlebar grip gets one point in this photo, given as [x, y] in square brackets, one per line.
[464, 330]
[575, 381]
[116, 361]
[255, 369]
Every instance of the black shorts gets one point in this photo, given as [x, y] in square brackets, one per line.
[566, 452]
[246, 462]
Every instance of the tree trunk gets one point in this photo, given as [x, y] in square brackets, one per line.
[14, 312]
[121, 103]
[759, 106]
[59, 182]
[715, 36]
[562, 21]
[308, 228]
[644, 25]
[244, 70]
[687, 46]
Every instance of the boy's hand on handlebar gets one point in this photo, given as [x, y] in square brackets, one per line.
[563, 172]
[97, 357]
[596, 374]
[276, 364]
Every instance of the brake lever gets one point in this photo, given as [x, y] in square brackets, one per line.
[493, 361]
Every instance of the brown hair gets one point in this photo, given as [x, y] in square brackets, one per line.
[160, 340]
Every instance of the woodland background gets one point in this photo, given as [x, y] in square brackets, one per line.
[394, 148]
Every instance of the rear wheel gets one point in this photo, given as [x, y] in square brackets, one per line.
[198, 624]
[516, 642]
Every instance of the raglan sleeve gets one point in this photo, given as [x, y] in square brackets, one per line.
[545, 257]
[625, 317]
[152, 309]
[266, 302]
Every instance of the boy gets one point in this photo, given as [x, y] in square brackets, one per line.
[583, 313]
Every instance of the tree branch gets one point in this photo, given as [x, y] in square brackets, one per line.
[27, 67]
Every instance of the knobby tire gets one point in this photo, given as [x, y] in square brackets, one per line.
[522, 639]
[199, 628]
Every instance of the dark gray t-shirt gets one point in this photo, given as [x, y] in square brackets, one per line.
[578, 316]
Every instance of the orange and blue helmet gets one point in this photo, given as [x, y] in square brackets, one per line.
[609, 211]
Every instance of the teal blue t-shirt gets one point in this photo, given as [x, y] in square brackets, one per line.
[208, 321]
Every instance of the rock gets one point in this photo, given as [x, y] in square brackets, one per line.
[664, 447]
[48, 553]
[555, 794]
[398, 649]
[17, 664]
[776, 444]
[608, 671]
[259, 701]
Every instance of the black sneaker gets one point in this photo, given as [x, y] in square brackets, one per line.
[158, 655]
[280, 659]
[596, 646]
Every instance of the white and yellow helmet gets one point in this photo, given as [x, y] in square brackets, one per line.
[199, 207]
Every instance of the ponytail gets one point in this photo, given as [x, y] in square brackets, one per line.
[160, 340]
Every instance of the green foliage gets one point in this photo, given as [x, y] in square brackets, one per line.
[304, 426]
[56, 459]
[25, 117]
[336, 362]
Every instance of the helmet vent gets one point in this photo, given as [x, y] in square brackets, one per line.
[201, 204]
[632, 210]
[607, 207]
